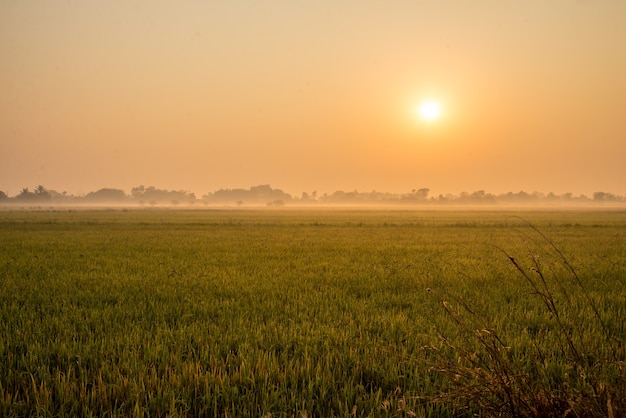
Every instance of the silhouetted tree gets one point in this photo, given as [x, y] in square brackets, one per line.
[137, 192]
[605, 197]
[256, 194]
[422, 193]
[154, 195]
[41, 191]
[25, 194]
[106, 195]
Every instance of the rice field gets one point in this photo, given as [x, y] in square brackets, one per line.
[312, 313]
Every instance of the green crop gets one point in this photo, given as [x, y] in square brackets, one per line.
[309, 312]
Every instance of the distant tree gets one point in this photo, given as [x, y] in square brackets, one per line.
[152, 194]
[422, 193]
[3, 195]
[307, 198]
[229, 195]
[482, 197]
[255, 195]
[137, 192]
[605, 197]
[41, 193]
[478, 194]
[25, 194]
[264, 192]
[107, 195]
[261, 191]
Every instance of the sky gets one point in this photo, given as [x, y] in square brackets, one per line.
[313, 95]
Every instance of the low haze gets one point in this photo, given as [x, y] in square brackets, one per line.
[325, 96]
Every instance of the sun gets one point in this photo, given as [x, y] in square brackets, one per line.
[429, 110]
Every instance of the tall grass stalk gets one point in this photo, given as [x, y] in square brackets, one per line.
[571, 365]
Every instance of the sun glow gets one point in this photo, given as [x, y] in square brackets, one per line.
[429, 110]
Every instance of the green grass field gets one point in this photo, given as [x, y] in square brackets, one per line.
[312, 313]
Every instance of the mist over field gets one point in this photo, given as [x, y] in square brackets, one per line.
[265, 195]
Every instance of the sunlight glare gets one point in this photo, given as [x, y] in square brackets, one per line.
[429, 110]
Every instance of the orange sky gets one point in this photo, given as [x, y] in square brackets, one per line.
[313, 95]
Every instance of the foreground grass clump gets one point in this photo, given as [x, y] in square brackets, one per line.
[288, 313]
[567, 362]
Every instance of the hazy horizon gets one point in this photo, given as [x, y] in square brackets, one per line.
[317, 194]
[304, 96]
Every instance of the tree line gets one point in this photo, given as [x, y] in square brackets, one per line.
[266, 195]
